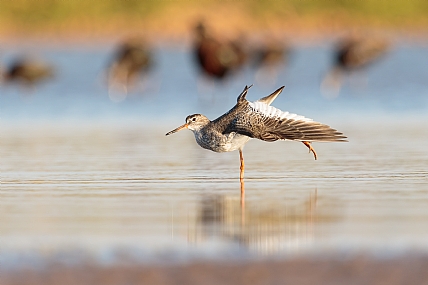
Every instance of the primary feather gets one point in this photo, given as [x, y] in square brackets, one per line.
[264, 122]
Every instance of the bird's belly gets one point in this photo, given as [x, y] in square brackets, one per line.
[237, 142]
[223, 143]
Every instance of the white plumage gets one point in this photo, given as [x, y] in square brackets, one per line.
[272, 112]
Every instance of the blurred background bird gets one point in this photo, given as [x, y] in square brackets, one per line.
[2, 73]
[352, 54]
[217, 58]
[132, 60]
[269, 56]
[27, 71]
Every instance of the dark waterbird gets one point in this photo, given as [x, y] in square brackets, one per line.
[259, 120]
[216, 57]
[28, 71]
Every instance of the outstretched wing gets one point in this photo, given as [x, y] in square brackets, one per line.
[268, 123]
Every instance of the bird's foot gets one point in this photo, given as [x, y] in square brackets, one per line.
[311, 149]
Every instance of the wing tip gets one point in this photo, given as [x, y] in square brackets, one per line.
[271, 97]
[243, 94]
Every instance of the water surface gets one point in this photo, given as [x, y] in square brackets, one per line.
[80, 172]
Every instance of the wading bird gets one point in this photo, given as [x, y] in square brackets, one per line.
[352, 54]
[28, 71]
[268, 58]
[132, 59]
[259, 120]
[217, 58]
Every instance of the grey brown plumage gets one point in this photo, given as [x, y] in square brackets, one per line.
[259, 120]
[254, 122]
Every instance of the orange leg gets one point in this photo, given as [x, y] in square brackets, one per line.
[241, 158]
[311, 149]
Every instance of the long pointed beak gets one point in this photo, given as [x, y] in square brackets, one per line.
[177, 129]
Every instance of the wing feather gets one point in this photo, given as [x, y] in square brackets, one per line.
[268, 123]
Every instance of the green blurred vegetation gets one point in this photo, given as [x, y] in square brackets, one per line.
[389, 11]
[36, 14]
[52, 11]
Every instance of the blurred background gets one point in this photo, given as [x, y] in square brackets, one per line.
[170, 20]
[88, 90]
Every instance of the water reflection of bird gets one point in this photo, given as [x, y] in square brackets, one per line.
[247, 120]
[352, 54]
[28, 71]
[217, 58]
[268, 227]
[132, 59]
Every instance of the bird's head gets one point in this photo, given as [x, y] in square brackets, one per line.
[193, 122]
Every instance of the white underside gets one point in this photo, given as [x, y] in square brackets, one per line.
[236, 141]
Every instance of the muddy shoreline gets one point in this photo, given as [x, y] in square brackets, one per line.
[360, 269]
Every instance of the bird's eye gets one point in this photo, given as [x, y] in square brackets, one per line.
[193, 119]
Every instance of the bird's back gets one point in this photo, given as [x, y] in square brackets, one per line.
[262, 121]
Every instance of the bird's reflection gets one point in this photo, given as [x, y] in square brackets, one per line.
[267, 227]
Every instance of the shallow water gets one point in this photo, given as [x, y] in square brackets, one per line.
[80, 172]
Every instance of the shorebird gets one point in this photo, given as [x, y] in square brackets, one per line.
[216, 57]
[28, 71]
[131, 59]
[268, 58]
[270, 53]
[259, 120]
[352, 54]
